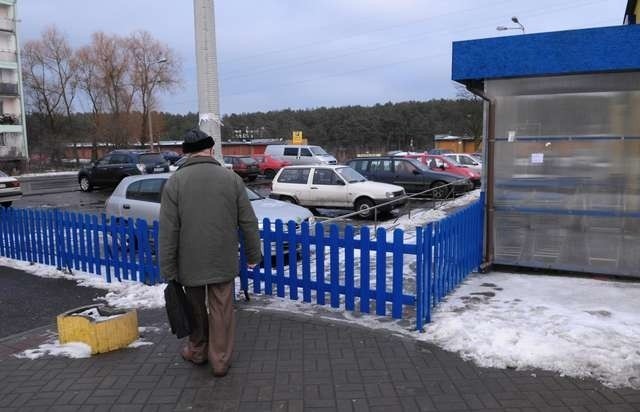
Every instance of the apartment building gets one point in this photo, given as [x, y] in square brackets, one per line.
[13, 137]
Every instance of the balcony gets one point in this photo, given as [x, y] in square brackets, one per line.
[8, 89]
[7, 25]
[10, 128]
[8, 56]
[10, 123]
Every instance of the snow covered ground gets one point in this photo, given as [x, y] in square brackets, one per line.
[576, 327]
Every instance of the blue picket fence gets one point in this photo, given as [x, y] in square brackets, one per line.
[344, 267]
[358, 269]
[451, 248]
[110, 247]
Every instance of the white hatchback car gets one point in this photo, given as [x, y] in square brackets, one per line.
[334, 187]
[465, 160]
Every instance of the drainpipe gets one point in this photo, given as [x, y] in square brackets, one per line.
[488, 148]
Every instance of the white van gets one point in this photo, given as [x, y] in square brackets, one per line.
[301, 154]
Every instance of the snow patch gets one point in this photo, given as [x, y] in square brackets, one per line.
[138, 343]
[75, 350]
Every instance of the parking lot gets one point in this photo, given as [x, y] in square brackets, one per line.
[94, 203]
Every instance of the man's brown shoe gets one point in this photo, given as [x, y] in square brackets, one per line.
[192, 356]
[221, 374]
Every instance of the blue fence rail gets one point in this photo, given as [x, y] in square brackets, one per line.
[360, 270]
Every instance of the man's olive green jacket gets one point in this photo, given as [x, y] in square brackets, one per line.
[203, 206]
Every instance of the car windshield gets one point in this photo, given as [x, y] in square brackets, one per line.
[151, 158]
[316, 150]
[350, 175]
[252, 195]
[417, 163]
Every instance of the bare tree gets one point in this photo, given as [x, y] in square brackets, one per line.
[115, 82]
[155, 68]
[89, 79]
[49, 70]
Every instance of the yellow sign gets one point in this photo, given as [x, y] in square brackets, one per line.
[297, 137]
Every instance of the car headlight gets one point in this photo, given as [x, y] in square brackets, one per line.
[388, 195]
[141, 168]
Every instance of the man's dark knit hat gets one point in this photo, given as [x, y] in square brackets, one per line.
[195, 140]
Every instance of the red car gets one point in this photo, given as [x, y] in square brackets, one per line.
[437, 162]
[270, 165]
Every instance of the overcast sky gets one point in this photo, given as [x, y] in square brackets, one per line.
[276, 54]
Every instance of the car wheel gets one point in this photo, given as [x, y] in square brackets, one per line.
[269, 174]
[6, 204]
[439, 190]
[85, 184]
[364, 206]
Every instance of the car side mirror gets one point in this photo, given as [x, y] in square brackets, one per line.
[340, 182]
[416, 172]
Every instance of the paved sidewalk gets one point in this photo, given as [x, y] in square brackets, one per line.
[288, 363]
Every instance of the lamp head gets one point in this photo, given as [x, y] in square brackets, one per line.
[501, 28]
[515, 19]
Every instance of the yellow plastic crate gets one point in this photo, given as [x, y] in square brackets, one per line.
[101, 335]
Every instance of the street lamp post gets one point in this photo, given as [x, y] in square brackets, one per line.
[516, 21]
[149, 122]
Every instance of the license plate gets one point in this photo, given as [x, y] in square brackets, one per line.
[158, 169]
[2, 185]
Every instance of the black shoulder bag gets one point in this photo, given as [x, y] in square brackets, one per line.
[177, 309]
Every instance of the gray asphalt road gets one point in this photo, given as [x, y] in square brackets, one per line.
[28, 302]
[74, 201]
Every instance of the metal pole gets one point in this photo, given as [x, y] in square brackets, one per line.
[207, 68]
[151, 142]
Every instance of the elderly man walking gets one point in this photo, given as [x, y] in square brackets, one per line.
[203, 206]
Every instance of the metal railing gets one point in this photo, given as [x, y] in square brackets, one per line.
[414, 197]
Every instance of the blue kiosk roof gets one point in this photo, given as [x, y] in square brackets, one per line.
[607, 49]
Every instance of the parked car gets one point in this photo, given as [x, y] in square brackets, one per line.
[171, 157]
[138, 197]
[465, 160]
[117, 165]
[301, 154]
[245, 166]
[180, 162]
[439, 151]
[334, 187]
[10, 190]
[270, 165]
[412, 175]
[441, 163]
